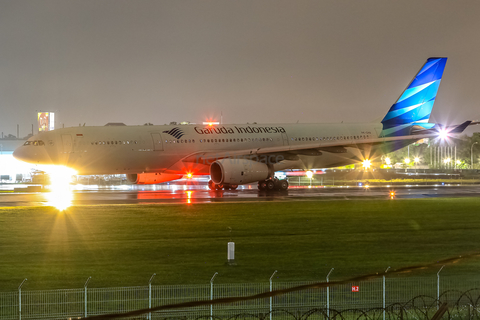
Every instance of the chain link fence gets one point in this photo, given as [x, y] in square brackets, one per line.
[379, 294]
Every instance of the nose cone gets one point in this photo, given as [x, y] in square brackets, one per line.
[32, 154]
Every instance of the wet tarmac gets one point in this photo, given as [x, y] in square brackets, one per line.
[178, 194]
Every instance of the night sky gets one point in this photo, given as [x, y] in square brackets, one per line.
[158, 61]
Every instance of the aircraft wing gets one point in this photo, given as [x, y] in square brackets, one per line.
[318, 147]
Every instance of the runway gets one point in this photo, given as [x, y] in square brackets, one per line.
[178, 194]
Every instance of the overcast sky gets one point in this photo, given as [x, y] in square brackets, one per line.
[158, 61]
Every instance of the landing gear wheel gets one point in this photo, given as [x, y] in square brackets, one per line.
[269, 185]
[262, 185]
[283, 185]
[219, 186]
[211, 185]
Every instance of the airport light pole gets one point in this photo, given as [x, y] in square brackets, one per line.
[150, 295]
[471, 154]
[211, 294]
[20, 299]
[328, 294]
[271, 299]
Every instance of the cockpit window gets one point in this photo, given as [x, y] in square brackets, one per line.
[34, 143]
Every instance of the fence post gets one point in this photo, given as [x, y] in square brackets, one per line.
[328, 295]
[150, 295]
[384, 292]
[211, 294]
[20, 299]
[438, 286]
[271, 299]
[85, 288]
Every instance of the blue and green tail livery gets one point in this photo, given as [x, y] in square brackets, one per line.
[415, 104]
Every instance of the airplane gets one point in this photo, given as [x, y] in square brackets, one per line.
[236, 154]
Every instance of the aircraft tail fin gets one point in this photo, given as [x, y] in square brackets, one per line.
[416, 103]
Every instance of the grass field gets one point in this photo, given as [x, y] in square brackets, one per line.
[183, 244]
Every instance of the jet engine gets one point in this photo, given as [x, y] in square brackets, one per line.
[152, 178]
[239, 171]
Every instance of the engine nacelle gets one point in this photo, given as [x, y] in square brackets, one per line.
[239, 171]
[152, 178]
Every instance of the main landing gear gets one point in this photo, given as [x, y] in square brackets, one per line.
[273, 184]
[264, 185]
[217, 187]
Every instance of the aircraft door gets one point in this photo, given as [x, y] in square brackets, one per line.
[157, 142]
[285, 139]
[67, 143]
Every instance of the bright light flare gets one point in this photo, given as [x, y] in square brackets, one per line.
[388, 161]
[447, 160]
[407, 160]
[60, 195]
[366, 163]
[416, 160]
[189, 175]
[189, 196]
[443, 134]
[309, 174]
[392, 194]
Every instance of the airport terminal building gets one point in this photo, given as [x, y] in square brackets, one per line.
[11, 169]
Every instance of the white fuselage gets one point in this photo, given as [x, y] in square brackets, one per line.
[165, 148]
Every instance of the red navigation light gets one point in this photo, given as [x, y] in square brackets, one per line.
[189, 175]
[210, 123]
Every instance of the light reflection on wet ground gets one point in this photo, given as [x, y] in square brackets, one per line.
[178, 194]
